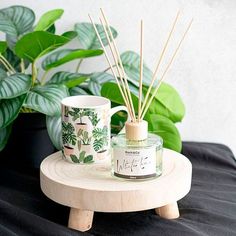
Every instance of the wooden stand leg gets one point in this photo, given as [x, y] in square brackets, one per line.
[170, 211]
[80, 219]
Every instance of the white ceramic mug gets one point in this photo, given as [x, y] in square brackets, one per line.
[86, 128]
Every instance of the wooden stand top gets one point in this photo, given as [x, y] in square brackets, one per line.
[92, 187]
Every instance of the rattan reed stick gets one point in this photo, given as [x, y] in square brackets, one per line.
[154, 77]
[166, 70]
[141, 72]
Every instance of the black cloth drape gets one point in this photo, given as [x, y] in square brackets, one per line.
[209, 208]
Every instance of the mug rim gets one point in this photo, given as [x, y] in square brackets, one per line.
[65, 101]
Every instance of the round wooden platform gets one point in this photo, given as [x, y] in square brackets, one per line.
[89, 188]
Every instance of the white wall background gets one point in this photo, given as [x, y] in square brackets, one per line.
[205, 70]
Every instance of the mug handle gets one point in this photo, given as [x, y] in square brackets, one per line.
[120, 108]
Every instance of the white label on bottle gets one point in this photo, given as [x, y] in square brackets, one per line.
[134, 163]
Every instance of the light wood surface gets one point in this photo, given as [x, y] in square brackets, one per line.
[90, 188]
[80, 219]
[170, 211]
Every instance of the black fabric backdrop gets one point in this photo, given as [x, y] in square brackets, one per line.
[209, 208]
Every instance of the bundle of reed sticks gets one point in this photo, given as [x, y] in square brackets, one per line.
[119, 72]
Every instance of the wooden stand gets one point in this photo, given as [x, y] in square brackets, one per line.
[89, 188]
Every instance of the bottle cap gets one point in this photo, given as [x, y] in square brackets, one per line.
[136, 130]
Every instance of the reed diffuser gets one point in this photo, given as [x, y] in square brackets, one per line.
[136, 154]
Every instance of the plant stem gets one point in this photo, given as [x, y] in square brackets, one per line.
[107, 69]
[26, 110]
[22, 65]
[34, 73]
[8, 64]
[78, 66]
[44, 77]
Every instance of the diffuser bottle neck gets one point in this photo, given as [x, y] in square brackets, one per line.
[136, 130]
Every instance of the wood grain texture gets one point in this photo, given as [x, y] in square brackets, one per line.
[170, 211]
[80, 219]
[93, 188]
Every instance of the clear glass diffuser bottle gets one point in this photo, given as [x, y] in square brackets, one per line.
[137, 154]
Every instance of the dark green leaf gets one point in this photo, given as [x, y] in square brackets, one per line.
[66, 55]
[48, 19]
[52, 29]
[131, 64]
[36, 44]
[14, 85]
[16, 20]
[88, 159]
[74, 158]
[9, 109]
[54, 130]
[3, 46]
[68, 79]
[4, 135]
[46, 99]
[166, 129]
[87, 36]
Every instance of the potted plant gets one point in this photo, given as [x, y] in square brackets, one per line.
[68, 138]
[100, 142]
[93, 117]
[78, 114]
[84, 141]
[25, 92]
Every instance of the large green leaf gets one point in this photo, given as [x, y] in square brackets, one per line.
[36, 44]
[16, 20]
[14, 85]
[9, 109]
[131, 64]
[166, 129]
[65, 55]
[97, 80]
[69, 34]
[112, 92]
[3, 74]
[4, 135]
[87, 36]
[78, 91]
[54, 130]
[68, 79]
[46, 99]
[3, 46]
[48, 19]
[168, 103]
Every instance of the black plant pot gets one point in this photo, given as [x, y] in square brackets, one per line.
[29, 142]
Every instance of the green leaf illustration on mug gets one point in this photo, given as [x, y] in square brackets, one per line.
[68, 135]
[93, 117]
[78, 113]
[68, 138]
[82, 158]
[84, 137]
[100, 138]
